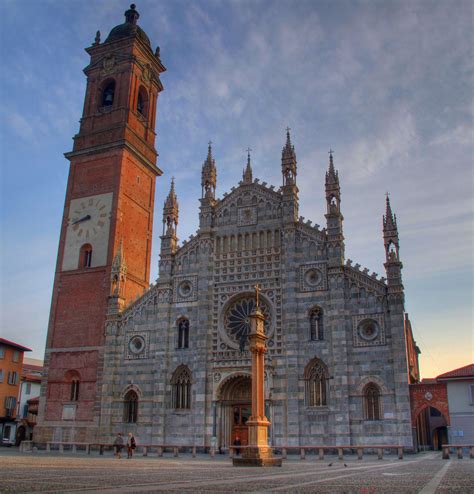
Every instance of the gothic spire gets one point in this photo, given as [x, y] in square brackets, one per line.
[393, 266]
[288, 161]
[389, 219]
[209, 175]
[332, 176]
[247, 175]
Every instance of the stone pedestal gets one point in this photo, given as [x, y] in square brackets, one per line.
[258, 453]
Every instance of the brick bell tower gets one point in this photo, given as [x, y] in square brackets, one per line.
[108, 213]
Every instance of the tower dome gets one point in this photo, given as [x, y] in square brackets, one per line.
[129, 28]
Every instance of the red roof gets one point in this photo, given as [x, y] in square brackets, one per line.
[15, 345]
[462, 372]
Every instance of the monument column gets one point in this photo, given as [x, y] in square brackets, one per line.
[257, 453]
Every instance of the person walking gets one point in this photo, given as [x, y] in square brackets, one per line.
[131, 445]
[118, 445]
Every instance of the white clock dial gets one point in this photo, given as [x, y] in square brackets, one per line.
[89, 218]
[88, 224]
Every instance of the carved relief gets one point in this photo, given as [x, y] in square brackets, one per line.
[185, 288]
[368, 330]
[137, 344]
[313, 277]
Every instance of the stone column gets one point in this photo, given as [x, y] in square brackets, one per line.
[257, 453]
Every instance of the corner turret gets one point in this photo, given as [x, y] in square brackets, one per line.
[393, 266]
[289, 189]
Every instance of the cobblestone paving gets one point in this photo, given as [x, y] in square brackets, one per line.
[41, 472]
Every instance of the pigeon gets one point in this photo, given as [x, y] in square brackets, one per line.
[330, 464]
[345, 465]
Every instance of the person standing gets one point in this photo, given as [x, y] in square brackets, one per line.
[237, 443]
[118, 445]
[131, 445]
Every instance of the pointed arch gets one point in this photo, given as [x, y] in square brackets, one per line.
[181, 382]
[130, 407]
[316, 383]
[372, 402]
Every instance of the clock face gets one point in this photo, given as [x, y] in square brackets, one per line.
[88, 223]
[88, 219]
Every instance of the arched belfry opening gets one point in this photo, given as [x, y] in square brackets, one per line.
[234, 409]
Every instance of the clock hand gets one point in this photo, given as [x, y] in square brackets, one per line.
[88, 217]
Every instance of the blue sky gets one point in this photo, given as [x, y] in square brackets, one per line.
[385, 84]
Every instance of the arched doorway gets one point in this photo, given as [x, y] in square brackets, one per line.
[235, 409]
[431, 429]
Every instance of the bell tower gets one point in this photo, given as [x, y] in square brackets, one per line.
[108, 215]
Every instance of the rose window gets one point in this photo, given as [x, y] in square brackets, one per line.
[237, 318]
[368, 329]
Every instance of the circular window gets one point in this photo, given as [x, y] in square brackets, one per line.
[237, 318]
[185, 288]
[368, 329]
[136, 344]
[313, 277]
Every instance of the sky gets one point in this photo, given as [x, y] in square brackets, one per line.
[386, 84]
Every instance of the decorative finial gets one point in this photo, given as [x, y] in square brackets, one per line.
[97, 38]
[157, 52]
[131, 15]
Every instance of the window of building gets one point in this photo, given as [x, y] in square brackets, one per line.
[16, 356]
[74, 390]
[2, 352]
[183, 333]
[471, 388]
[130, 409]
[1, 375]
[316, 382]
[316, 330]
[28, 388]
[12, 377]
[108, 94]
[85, 256]
[10, 404]
[372, 402]
[181, 382]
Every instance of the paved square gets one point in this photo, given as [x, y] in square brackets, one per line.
[43, 472]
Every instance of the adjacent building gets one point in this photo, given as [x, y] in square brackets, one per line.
[11, 364]
[28, 397]
[460, 390]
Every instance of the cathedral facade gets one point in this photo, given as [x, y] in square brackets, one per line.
[170, 361]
